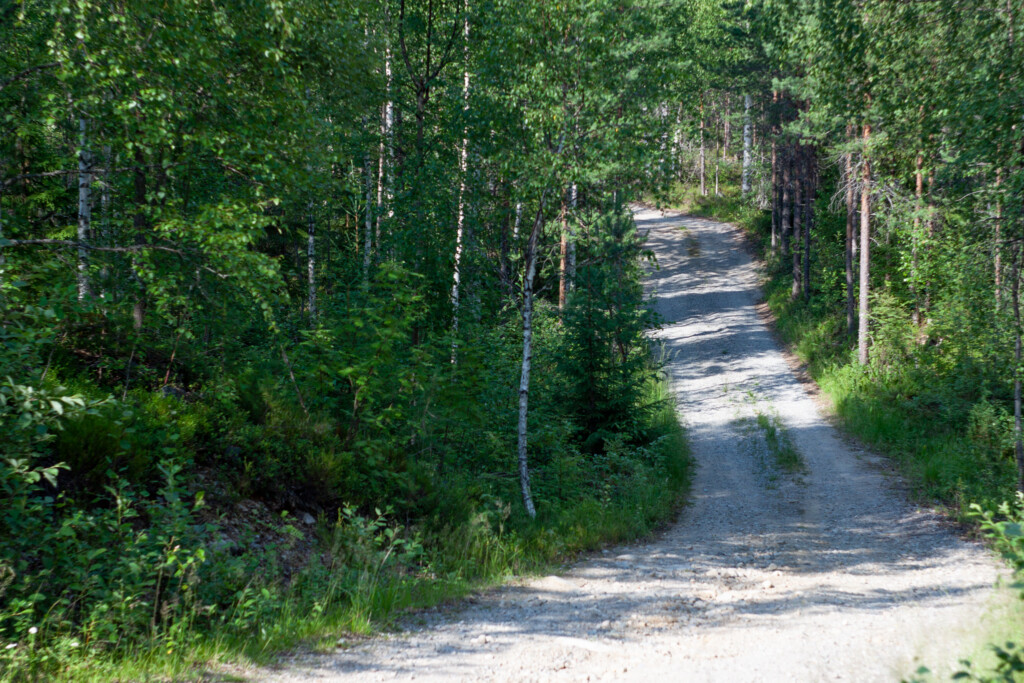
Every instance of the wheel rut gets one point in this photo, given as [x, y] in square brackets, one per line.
[825, 574]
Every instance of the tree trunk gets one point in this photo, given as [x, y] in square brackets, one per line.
[84, 209]
[775, 198]
[851, 213]
[748, 144]
[386, 173]
[997, 248]
[524, 377]
[311, 263]
[727, 127]
[139, 223]
[463, 159]
[703, 179]
[809, 193]
[865, 252]
[563, 251]
[798, 205]
[368, 221]
[1018, 427]
[786, 227]
[570, 274]
[916, 237]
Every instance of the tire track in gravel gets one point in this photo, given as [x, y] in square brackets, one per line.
[767, 576]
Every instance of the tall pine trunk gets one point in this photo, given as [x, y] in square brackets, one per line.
[748, 143]
[809, 192]
[798, 205]
[785, 209]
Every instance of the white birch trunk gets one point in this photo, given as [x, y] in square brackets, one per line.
[524, 377]
[463, 158]
[311, 263]
[84, 209]
[748, 143]
[386, 154]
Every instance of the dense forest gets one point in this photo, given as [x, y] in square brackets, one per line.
[312, 311]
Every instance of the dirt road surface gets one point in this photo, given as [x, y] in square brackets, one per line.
[828, 573]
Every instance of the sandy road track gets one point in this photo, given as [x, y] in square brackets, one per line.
[828, 574]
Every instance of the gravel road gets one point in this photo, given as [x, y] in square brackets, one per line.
[828, 573]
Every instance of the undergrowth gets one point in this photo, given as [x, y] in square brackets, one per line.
[308, 483]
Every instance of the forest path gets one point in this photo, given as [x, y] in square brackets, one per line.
[824, 574]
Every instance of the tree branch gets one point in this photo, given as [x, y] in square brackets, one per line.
[81, 245]
[28, 72]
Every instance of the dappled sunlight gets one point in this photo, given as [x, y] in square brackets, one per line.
[766, 565]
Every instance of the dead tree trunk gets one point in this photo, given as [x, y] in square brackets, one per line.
[865, 252]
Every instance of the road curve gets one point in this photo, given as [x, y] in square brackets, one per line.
[825, 574]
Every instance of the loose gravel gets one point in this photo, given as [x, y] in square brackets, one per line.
[828, 573]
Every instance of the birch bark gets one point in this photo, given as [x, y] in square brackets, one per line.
[311, 262]
[84, 208]
[524, 377]
[463, 158]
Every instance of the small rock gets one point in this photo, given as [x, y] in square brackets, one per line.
[308, 518]
[767, 584]
[772, 567]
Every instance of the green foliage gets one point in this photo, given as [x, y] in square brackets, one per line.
[604, 355]
[228, 242]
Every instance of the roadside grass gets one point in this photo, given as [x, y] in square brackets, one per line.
[328, 607]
